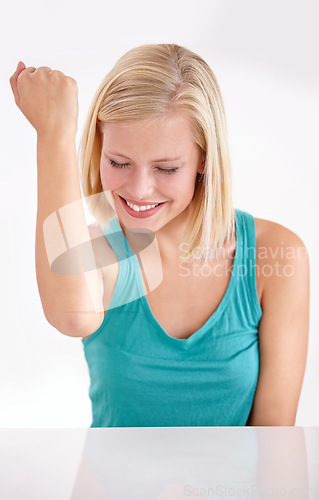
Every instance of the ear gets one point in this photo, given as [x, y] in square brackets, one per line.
[201, 164]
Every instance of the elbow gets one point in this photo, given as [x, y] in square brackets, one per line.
[264, 422]
[72, 327]
[76, 326]
[272, 419]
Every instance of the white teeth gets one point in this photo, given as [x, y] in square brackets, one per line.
[140, 209]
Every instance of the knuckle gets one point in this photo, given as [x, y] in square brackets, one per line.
[40, 76]
[55, 75]
[73, 82]
[44, 69]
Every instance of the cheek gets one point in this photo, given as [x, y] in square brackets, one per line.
[102, 173]
[182, 187]
[109, 178]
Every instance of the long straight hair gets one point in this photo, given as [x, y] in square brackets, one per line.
[148, 82]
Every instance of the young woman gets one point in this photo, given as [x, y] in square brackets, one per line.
[193, 313]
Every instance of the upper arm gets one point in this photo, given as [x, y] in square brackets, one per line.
[283, 328]
[107, 270]
[88, 314]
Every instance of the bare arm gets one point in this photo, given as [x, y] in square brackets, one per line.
[283, 329]
[48, 99]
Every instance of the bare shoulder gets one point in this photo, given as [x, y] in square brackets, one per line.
[277, 244]
[271, 234]
[280, 253]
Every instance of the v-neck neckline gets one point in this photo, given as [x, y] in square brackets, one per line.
[215, 315]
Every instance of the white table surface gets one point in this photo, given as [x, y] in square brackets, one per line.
[160, 463]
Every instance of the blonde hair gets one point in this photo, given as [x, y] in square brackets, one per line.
[148, 82]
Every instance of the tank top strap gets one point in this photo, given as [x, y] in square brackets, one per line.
[117, 240]
[246, 226]
[130, 284]
[247, 266]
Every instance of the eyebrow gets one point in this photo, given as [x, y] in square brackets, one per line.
[152, 161]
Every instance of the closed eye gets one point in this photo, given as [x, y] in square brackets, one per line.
[118, 165]
[164, 170]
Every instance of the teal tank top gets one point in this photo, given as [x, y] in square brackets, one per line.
[142, 377]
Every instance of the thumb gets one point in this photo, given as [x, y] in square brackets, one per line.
[21, 66]
[13, 81]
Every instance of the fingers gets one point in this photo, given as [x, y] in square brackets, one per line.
[30, 69]
[44, 68]
[36, 89]
[22, 69]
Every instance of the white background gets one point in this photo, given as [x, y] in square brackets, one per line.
[265, 57]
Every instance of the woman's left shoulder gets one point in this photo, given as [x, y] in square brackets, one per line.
[273, 236]
[281, 257]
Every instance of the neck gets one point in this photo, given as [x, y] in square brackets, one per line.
[170, 237]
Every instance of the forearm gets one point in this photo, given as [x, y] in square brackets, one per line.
[68, 300]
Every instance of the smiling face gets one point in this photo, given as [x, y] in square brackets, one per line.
[150, 162]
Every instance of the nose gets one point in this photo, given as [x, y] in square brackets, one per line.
[140, 185]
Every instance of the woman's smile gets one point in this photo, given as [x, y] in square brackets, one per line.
[141, 211]
[156, 191]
